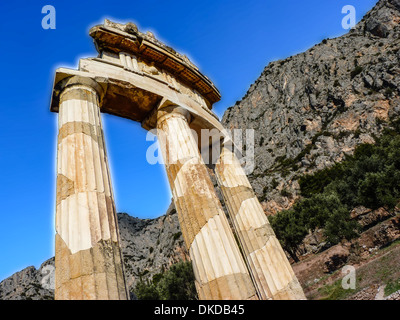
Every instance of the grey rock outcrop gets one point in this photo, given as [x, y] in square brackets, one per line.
[149, 246]
[30, 283]
[312, 109]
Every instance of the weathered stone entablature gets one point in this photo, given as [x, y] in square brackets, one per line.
[134, 64]
[154, 56]
[134, 86]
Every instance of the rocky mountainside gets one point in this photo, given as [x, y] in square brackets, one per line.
[149, 246]
[309, 111]
[30, 283]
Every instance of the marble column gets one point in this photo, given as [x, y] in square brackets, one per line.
[219, 268]
[271, 271]
[88, 258]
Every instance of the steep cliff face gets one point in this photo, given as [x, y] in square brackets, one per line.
[149, 246]
[30, 283]
[310, 110]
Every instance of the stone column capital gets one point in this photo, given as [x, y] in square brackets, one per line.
[165, 112]
[79, 82]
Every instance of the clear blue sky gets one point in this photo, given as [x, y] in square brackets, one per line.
[231, 41]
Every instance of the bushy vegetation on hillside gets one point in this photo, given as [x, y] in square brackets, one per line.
[371, 178]
[175, 284]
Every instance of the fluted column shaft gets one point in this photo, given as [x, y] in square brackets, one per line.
[219, 268]
[268, 264]
[88, 258]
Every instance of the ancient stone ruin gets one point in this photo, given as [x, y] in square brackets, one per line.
[137, 77]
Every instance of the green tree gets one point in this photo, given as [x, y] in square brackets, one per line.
[290, 230]
[175, 284]
[146, 291]
[339, 226]
[178, 283]
[315, 211]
